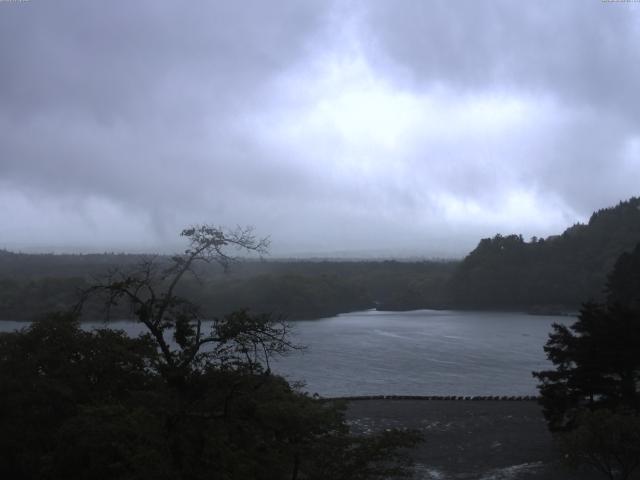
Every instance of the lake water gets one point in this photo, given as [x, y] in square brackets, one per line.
[422, 352]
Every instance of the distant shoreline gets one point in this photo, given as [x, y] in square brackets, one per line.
[551, 312]
[439, 398]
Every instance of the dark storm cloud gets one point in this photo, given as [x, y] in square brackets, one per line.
[135, 101]
[353, 125]
[121, 59]
[584, 52]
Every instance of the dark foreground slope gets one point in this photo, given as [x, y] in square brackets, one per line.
[479, 440]
[553, 274]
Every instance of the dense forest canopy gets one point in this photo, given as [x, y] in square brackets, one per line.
[559, 272]
[297, 289]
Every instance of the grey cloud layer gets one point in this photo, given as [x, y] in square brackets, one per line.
[173, 112]
[583, 52]
[104, 93]
[583, 56]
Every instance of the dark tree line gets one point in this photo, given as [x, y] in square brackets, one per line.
[187, 400]
[553, 274]
[31, 285]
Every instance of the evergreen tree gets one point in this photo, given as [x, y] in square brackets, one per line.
[591, 400]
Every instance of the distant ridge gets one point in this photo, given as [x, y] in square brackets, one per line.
[551, 275]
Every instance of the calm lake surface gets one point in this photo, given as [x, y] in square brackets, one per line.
[421, 352]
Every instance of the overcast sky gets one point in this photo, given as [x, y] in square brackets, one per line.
[355, 127]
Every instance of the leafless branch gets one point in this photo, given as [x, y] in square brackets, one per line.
[240, 339]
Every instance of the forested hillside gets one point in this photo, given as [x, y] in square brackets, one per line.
[31, 285]
[553, 274]
[549, 275]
